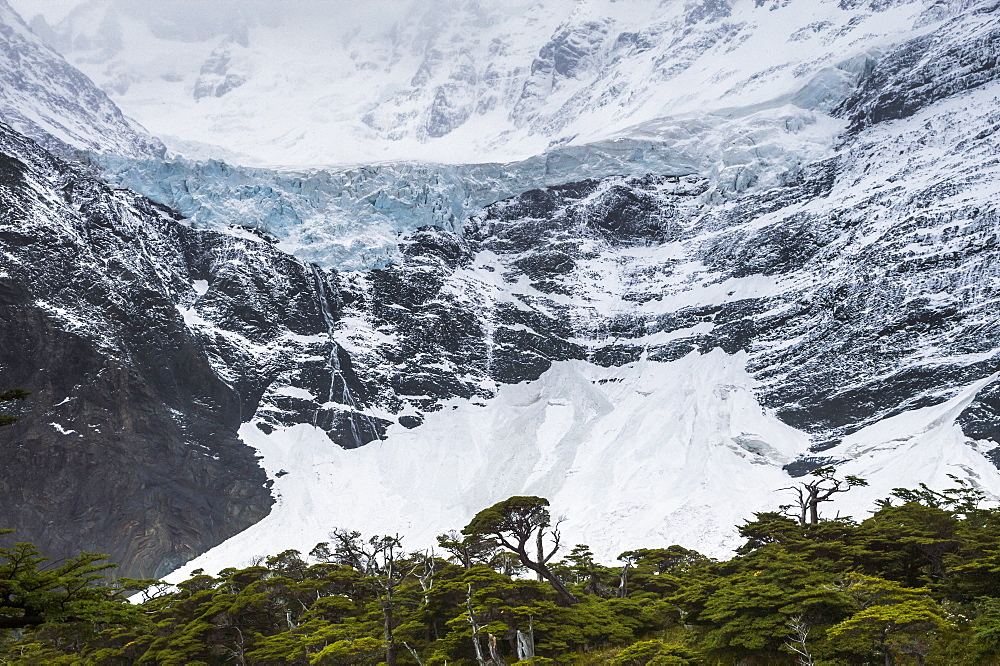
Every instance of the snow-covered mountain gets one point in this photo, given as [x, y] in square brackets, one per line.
[729, 264]
[312, 82]
[658, 364]
[51, 101]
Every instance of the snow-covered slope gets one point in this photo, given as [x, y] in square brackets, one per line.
[49, 100]
[645, 454]
[310, 82]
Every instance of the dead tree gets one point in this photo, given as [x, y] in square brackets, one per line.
[381, 562]
[623, 580]
[415, 654]
[810, 494]
[798, 632]
[423, 571]
[494, 658]
[526, 642]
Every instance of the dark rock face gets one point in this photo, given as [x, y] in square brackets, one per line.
[145, 344]
[944, 63]
[445, 321]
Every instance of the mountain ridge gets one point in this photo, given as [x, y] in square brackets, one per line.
[54, 103]
[463, 81]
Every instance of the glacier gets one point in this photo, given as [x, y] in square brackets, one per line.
[350, 218]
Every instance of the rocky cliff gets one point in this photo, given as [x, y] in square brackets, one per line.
[128, 443]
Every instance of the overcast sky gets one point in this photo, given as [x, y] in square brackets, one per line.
[55, 10]
[52, 10]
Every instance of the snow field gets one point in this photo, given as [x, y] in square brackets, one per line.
[644, 455]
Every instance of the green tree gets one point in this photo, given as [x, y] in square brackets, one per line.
[986, 629]
[74, 591]
[516, 522]
[750, 612]
[350, 652]
[382, 563]
[580, 568]
[910, 543]
[893, 620]
[963, 498]
[468, 550]
[769, 527]
[656, 653]
[656, 570]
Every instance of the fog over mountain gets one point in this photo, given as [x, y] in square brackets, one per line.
[316, 83]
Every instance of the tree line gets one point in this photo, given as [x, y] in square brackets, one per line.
[917, 582]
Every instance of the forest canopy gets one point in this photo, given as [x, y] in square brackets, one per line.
[916, 582]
